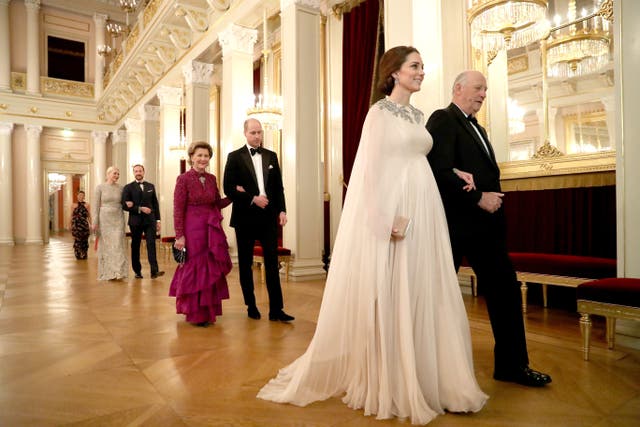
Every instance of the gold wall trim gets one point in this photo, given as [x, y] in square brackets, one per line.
[18, 81]
[518, 64]
[61, 87]
[150, 11]
[345, 7]
[132, 39]
[594, 179]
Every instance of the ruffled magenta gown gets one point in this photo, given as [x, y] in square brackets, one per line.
[199, 285]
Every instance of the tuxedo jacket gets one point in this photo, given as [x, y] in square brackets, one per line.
[147, 198]
[456, 144]
[239, 171]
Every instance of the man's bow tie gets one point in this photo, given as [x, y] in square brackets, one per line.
[472, 119]
[255, 150]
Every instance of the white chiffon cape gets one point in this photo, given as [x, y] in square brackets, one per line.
[392, 336]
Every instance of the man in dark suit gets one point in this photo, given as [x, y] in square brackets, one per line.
[477, 224]
[252, 180]
[139, 198]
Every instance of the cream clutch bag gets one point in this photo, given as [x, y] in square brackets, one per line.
[400, 227]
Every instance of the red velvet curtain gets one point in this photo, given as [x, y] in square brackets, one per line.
[572, 221]
[360, 47]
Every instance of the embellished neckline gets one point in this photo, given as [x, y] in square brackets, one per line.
[405, 112]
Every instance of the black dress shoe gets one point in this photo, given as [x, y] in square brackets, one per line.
[138, 276]
[253, 313]
[526, 376]
[280, 316]
[202, 324]
[157, 274]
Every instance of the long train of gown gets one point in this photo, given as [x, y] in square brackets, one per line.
[392, 335]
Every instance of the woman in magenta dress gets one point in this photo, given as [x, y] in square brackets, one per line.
[200, 284]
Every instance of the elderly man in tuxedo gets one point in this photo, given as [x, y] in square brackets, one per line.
[477, 224]
[139, 198]
[252, 180]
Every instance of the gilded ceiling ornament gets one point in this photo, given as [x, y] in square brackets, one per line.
[546, 151]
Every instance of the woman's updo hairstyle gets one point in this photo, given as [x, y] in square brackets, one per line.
[391, 62]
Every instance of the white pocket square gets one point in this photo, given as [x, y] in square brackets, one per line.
[270, 166]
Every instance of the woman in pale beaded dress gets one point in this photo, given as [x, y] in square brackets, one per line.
[392, 336]
[108, 224]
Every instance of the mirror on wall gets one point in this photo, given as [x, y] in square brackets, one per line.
[571, 106]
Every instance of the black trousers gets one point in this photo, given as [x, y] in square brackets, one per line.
[487, 254]
[267, 235]
[149, 231]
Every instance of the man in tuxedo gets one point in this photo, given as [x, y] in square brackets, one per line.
[252, 180]
[477, 224]
[139, 198]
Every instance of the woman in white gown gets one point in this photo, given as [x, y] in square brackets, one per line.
[392, 335]
[109, 226]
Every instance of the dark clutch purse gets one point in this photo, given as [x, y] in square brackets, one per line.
[180, 255]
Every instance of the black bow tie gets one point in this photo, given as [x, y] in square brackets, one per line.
[255, 150]
[472, 119]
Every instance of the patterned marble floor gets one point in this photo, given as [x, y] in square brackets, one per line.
[78, 352]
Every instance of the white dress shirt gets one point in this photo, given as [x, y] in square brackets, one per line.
[256, 159]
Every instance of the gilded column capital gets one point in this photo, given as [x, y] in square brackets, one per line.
[99, 136]
[33, 131]
[311, 4]
[169, 95]
[237, 39]
[197, 73]
[6, 128]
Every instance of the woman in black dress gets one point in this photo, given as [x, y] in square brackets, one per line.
[80, 229]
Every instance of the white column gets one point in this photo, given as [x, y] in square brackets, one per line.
[625, 25]
[301, 133]
[6, 185]
[99, 159]
[197, 77]
[5, 48]
[426, 25]
[135, 148]
[67, 201]
[498, 95]
[168, 160]
[237, 95]
[334, 137]
[33, 46]
[150, 141]
[100, 21]
[237, 76]
[119, 154]
[33, 186]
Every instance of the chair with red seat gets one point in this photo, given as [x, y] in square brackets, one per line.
[613, 298]
[284, 257]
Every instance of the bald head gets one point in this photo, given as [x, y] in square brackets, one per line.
[469, 91]
[253, 132]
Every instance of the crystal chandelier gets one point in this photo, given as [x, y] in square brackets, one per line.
[516, 117]
[578, 48]
[267, 107]
[506, 24]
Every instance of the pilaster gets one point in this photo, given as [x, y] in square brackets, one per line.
[33, 46]
[99, 139]
[5, 48]
[33, 174]
[197, 76]
[6, 185]
[135, 148]
[169, 157]
[151, 138]
[100, 21]
[301, 136]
